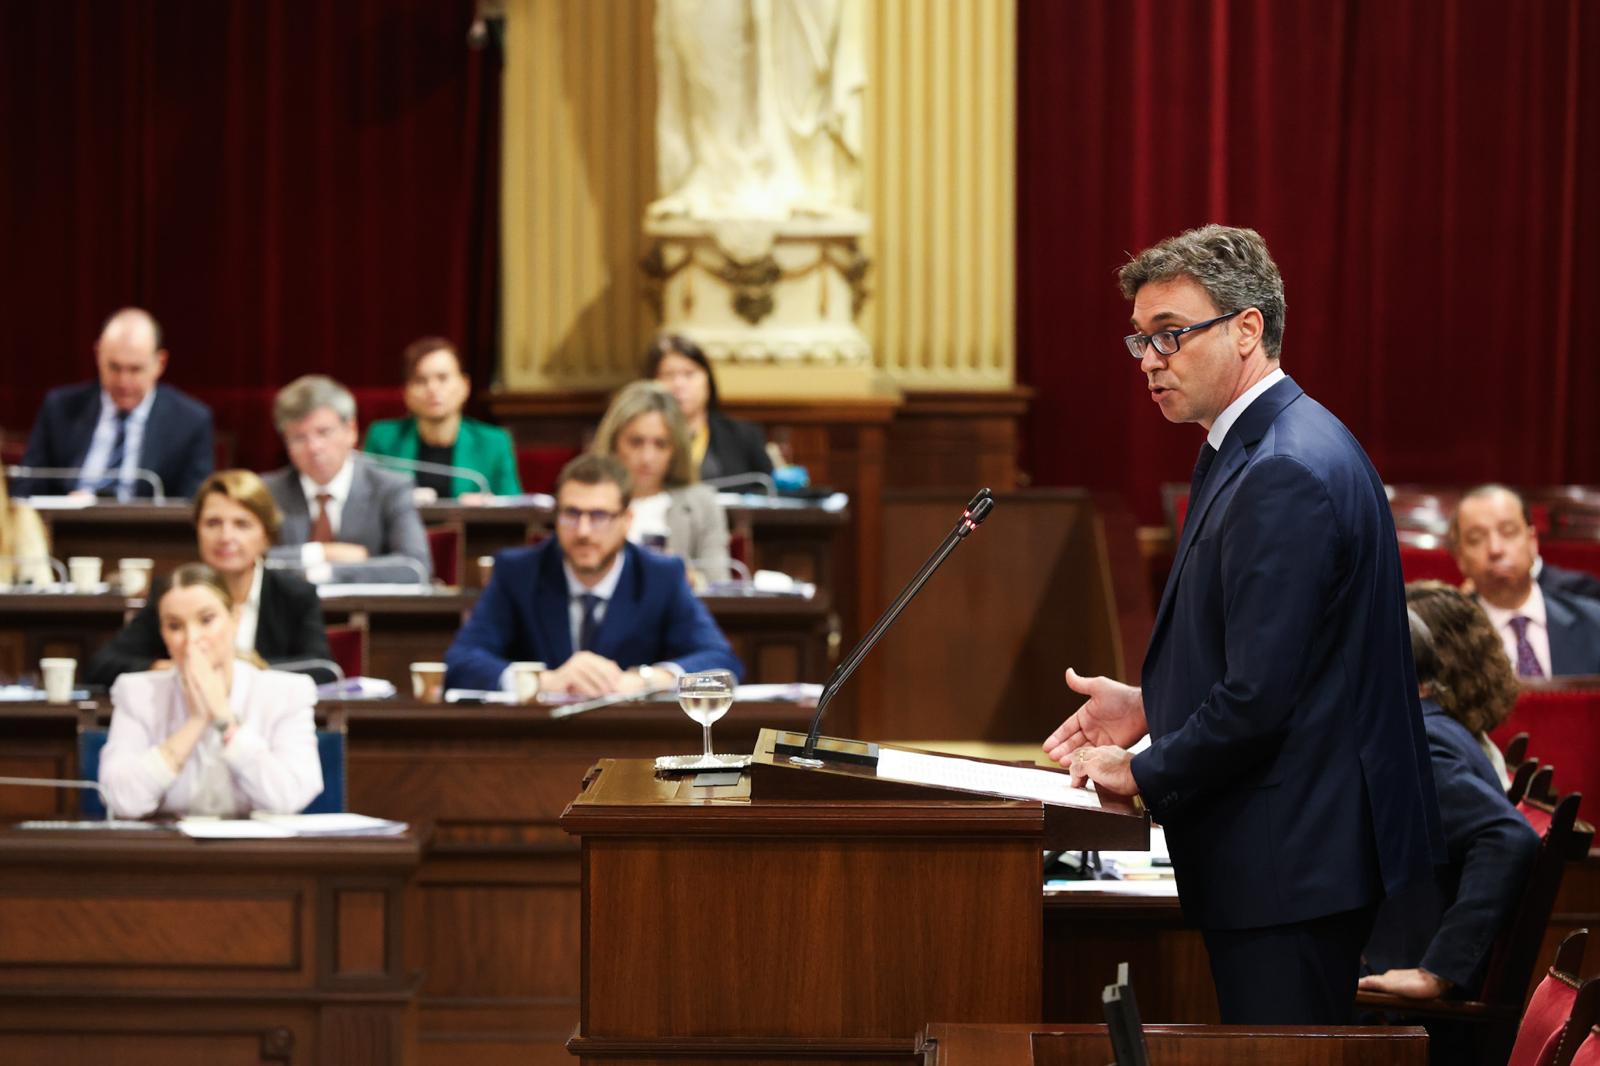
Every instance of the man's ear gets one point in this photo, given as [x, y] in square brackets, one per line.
[1250, 327]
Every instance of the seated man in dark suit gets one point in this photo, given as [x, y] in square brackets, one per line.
[124, 423]
[607, 615]
[1546, 632]
[337, 508]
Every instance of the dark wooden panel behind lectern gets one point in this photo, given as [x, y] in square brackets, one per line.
[1052, 579]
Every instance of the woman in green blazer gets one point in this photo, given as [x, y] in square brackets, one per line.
[438, 434]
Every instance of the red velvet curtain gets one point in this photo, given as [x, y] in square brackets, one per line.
[1425, 173]
[287, 187]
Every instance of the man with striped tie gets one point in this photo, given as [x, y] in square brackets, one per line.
[117, 431]
[1547, 632]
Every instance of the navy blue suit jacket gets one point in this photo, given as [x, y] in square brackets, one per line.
[1448, 925]
[1574, 626]
[1288, 762]
[523, 615]
[177, 439]
[1578, 583]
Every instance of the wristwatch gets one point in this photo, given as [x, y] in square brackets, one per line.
[649, 675]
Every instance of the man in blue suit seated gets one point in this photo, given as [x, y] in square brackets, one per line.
[126, 422]
[1287, 760]
[1547, 630]
[617, 618]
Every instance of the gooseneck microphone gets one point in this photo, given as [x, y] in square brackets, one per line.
[976, 511]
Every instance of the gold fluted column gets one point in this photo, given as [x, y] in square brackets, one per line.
[579, 168]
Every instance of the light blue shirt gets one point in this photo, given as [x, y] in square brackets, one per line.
[105, 438]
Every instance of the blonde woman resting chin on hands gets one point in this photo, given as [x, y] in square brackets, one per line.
[212, 734]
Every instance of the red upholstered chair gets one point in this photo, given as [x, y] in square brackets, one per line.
[1496, 1011]
[1571, 554]
[538, 467]
[1544, 1023]
[446, 543]
[1428, 564]
[348, 645]
[1588, 1053]
[1564, 721]
[1521, 778]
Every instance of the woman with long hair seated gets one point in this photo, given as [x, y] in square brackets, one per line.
[644, 430]
[719, 446]
[280, 617]
[438, 434]
[211, 734]
[24, 544]
[1434, 938]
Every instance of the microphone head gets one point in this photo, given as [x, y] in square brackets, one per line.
[983, 494]
[980, 509]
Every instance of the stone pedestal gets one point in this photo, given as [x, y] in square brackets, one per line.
[761, 293]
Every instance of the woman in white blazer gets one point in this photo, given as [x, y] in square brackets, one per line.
[645, 431]
[213, 734]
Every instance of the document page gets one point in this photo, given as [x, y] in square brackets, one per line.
[1012, 782]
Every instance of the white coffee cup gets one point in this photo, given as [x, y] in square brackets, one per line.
[427, 682]
[58, 676]
[525, 680]
[135, 575]
[485, 569]
[84, 571]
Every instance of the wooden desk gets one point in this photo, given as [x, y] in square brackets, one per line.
[150, 947]
[494, 916]
[1174, 1045]
[778, 638]
[798, 540]
[719, 926]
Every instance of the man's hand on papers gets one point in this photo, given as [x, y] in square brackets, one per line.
[1114, 714]
[1108, 766]
[1411, 984]
[338, 552]
[585, 674]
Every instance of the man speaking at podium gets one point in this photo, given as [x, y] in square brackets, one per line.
[1287, 762]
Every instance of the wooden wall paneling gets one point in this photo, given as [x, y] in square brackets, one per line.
[980, 654]
[132, 1034]
[961, 440]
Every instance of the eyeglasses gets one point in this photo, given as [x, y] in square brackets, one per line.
[572, 518]
[1166, 341]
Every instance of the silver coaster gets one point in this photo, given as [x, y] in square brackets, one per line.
[689, 764]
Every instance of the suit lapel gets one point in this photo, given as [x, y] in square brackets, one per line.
[1237, 447]
[623, 607]
[550, 608]
[1566, 639]
[151, 444]
[269, 638]
[86, 419]
[353, 520]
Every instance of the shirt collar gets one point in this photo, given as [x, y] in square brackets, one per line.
[138, 416]
[1533, 609]
[254, 599]
[607, 585]
[338, 488]
[1231, 413]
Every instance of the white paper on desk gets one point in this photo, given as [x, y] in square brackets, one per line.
[61, 503]
[1143, 860]
[1164, 887]
[340, 824]
[785, 692]
[1012, 782]
[230, 829]
[374, 588]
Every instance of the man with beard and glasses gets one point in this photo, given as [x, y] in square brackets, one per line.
[615, 617]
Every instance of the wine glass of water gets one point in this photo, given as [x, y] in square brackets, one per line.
[706, 697]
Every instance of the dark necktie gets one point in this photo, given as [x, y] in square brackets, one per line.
[587, 626]
[1527, 661]
[322, 526]
[110, 483]
[1202, 467]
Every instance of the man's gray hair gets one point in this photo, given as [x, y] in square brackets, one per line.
[1231, 264]
[298, 399]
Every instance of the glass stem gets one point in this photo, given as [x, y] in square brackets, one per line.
[705, 727]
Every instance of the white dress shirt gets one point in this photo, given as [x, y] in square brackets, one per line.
[311, 552]
[1533, 609]
[1230, 414]
[244, 637]
[105, 438]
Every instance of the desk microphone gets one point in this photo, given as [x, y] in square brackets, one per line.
[158, 491]
[976, 511]
[418, 465]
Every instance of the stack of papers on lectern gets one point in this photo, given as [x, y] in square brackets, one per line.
[1012, 782]
[270, 826]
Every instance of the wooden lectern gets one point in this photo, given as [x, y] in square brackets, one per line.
[806, 919]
